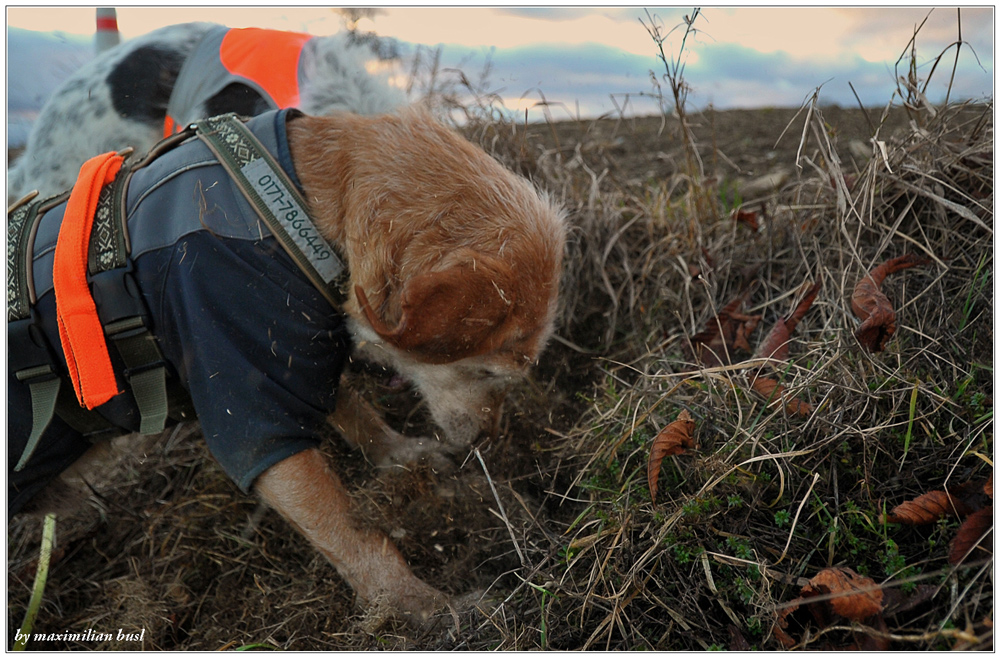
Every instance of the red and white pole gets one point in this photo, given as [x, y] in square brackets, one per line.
[107, 29]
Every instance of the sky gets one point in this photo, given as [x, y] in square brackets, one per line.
[591, 61]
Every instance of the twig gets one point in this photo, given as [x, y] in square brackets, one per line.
[795, 521]
[503, 514]
[953, 633]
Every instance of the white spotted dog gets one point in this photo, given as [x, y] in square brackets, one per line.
[130, 94]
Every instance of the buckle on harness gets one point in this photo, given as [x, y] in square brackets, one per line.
[31, 350]
[117, 296]
[31, 362]
[123, 316]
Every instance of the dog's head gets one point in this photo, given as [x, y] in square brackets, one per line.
[468, 330]
[474, 321]
[455, 261]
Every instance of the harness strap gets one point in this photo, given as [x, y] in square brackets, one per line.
[275, 198]
[31, 360]
[120, 306]
[80, 329]
[145, 371]
[20, 225]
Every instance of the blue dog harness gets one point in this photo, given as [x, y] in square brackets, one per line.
[248, 331]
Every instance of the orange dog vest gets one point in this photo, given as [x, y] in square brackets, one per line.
[265, 60]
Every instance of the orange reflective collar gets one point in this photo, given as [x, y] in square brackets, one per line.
[268, 57]
[80, 330]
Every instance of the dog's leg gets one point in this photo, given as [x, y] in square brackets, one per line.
[364, 429]
[310, 496]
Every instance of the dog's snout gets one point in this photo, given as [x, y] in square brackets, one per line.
[492, 414]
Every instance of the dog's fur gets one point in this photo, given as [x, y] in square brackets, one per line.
[455, 266]
[119, 99]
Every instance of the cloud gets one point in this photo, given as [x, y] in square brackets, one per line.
[545, 13]
[727, 75]
[629, 15]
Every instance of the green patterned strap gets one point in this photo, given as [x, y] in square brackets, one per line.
[22, 222]
[108, 246]
[275, 198]
[18, 228]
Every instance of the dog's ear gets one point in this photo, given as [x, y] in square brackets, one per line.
[452, 313]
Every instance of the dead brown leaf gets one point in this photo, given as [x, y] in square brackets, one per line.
[775, 392]
[833, 593]
[976, 528]
[780, 629]
[897, 602]
[873, 308]
[748, 218]
[854, 596]
[724, 333]
[775, 345]
[672, 440]
[927, 508]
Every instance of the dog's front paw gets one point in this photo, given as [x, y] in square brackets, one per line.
[470, 601]
[458, 611]
[411, 600]
[411, 451]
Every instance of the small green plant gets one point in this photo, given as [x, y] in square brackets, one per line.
[782, 518]
[894, 566]
[691, 508]
[740, 548]
[682, 554]
[729, 195]
[567, 553]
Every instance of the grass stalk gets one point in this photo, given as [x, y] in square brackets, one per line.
[41, 577]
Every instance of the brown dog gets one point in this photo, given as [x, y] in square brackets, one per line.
[455, 265]
[455, 262]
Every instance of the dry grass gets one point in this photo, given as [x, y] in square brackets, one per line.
[556, 520]
[769, 499]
